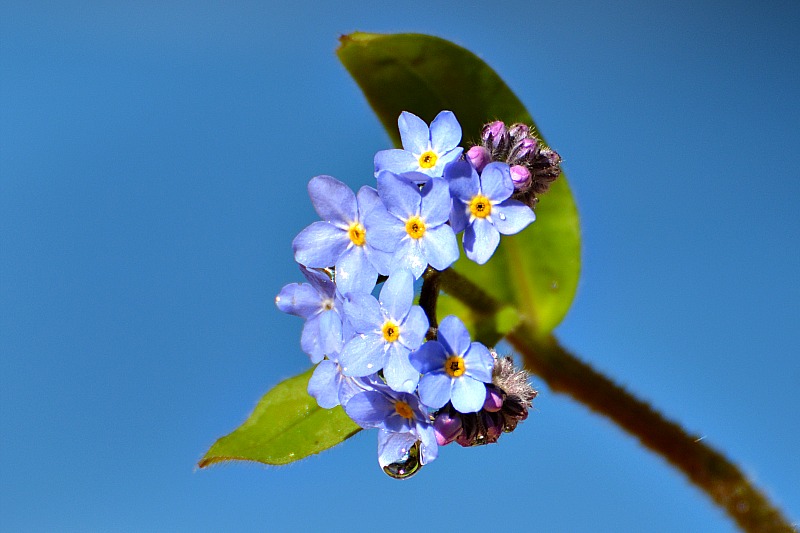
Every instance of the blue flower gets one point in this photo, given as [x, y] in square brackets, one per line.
[331, 388]
[387, 330]
[482, 208]
[427, 151]
[340, 239]
[453, 369]
[413, 224]
[318, 303]
[402, 420]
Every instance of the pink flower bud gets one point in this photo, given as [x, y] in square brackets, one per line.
[521, 177]
[479, 156]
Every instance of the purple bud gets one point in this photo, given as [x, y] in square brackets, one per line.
[525, 149]
[493, 133]
[447, 428]
[479, 156]
[494, 400]
[521, 177]
[518, 131]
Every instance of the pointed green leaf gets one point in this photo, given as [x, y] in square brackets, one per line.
[286, 425]
[537, 270]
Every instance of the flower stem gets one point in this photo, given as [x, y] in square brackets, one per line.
[707, 468]
[428, 298]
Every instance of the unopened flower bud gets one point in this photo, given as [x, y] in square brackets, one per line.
[521, 177]
[494, 399]
[518, 131]
[524, 151]
[494, 424]
[447, 427]
[494, 134]
[479, 156]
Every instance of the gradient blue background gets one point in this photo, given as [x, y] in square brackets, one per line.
[153, 165]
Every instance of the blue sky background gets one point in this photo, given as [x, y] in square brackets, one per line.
[153, 165]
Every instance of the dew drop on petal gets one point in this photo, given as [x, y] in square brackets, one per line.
[502, 216]
[407, 467]
[369, 365]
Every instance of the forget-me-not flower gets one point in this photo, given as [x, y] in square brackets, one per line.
[386, 331]
[453, 369]
[425, 150]
[340, 239]
[402, 420]
[413, 224]
[483, 209]
[319, 304]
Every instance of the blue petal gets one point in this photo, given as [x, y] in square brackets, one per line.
[363, 355]
[445, 159]
[323, 385]
[320, 245]
[297, 299]
[417, 178]
[311, 340]
[397, 295]
[479, 362]
[430, 356]
[512, 217]
[333, 200]
[439, 246]
[384, 230]
[496, 183]
[435, 209]
[363, 312]
[349, 387]
[445, 132]
[399, 373]
[434, 389]
[369, 409]
[414, 328]
[459, 216]
[381, 260]
[409, 256]
[321, 281]
[330, 332]
[414, 133]
[453, 335]
[463, 180]
[468, 395]
[429, 447]
[393, 447]
[397, 161]
[368, 200]
[355, 272]
[401, 197]
[480, 240]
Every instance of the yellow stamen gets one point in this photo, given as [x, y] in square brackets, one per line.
[480, 206]
[357, 234]
[415, 227]
[391, 331]
[454, 366]
[403, 409]
[428, 159]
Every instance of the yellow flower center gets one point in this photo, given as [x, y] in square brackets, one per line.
[357, 234]
[428, 159]
[391, 331]
[480, 206]
[403, 409]
[454, 366]
[415, 227]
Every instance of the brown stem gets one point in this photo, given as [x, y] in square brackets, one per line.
[707, 468]
[428, 297]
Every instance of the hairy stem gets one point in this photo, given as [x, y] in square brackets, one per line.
[707, 468]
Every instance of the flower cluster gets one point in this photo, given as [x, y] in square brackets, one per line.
[384, 359]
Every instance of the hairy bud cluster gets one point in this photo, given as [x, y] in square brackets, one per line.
[508, 399]
[534, 166]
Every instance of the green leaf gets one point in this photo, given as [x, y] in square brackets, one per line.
[537, 270]
[286, 425]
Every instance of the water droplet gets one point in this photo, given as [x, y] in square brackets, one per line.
[277, 299]
[554, 285]
[502, 216]
[407, 467]
[369, 365]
